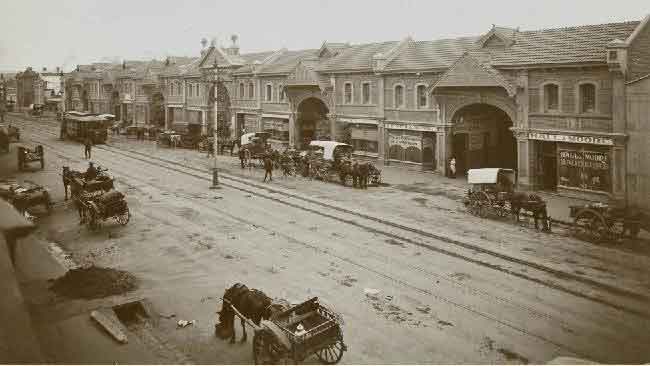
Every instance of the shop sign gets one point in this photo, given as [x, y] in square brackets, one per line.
[405, 141]
[594, 140]
[250, 122]
[584, 169]
[410, 127]
[358, 120]
[276, 124]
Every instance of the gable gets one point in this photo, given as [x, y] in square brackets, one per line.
[494, 41]
[468, 71]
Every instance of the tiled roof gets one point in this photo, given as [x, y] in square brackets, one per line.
[286, 62]
[177, 66]
[249, 58]
[563, 45]
[356, 57]
[430, 54]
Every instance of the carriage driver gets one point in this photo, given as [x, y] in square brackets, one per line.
[91, 172]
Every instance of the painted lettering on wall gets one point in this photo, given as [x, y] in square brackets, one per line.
[405, 141]
[594, 140]
[584, 169]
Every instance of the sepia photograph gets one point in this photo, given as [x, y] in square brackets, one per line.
[324, 182]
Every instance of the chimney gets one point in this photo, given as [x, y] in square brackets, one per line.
[44, 69]
[58, 69]
[234, 48]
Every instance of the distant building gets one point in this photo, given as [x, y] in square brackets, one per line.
[29, 89]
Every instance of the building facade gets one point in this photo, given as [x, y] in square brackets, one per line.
[563, 107]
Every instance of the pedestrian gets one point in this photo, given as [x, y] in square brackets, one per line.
[88, 144]
[452, 167]
[268, 168]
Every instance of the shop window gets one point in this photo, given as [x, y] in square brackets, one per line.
[365, 146]
[251, 91]
[365, 92]
[241, 90]
[584, 167]
[348, 93]
[422, 96]
[587, 98]
[551, 97]
[399, 96]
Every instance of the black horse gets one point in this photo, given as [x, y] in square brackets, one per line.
[251, 303]
[533, 203]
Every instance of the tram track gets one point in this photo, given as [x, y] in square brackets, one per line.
[382, 273]
[236, 183]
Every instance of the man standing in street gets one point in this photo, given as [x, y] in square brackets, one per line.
[88, 144]
[268, 168]
[452, 167]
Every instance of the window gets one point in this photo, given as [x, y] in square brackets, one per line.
[587, 98]
[241, 90]
[269, 93]
[613, 55]
[422, 96]
[551, 97]
[251, 90]
[365, 93]
[399, 96]
[347, 91]
[281, 95]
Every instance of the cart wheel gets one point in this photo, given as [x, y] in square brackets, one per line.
[331, 354]
[266, 350]
[124, 217]
[484, 203]
[590, 225]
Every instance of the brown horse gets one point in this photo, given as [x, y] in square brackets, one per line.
[532, 203]
[251, 303]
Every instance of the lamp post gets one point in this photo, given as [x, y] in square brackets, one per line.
[214, 77]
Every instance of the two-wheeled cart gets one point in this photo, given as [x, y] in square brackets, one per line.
[307, 329]
[600, 222]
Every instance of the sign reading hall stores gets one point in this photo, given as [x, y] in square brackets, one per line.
[594, 140]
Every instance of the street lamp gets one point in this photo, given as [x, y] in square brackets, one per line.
[214, 78]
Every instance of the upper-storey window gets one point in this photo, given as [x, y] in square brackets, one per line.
[347, 93]
[251, 91]
[587, 98]
[421, 95]
[551, 97]
[281, 95]
[268, 93]
[241, 90]
[399, 96]
[365, 93]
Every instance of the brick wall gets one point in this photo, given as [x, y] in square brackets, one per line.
[568, 80]
[639, 55]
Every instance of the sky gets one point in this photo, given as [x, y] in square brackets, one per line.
[69, 32]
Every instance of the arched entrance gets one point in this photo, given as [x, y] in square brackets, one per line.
[223, 111]
[312, 122]
[158, 109]
[482, 138]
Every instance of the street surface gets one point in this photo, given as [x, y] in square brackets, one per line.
[453, 288]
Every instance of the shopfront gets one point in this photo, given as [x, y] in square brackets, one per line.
[250, 123]
[572, 162]
[278, 127]
[363, 135]
[411, 143]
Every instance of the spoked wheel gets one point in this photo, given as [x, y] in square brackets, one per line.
[331, 354]
[124, 217]
[266, 350]
[591, 226]
[93, 221]
[484, 203]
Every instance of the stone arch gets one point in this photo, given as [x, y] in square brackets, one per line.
[297, 98]
[505, 104]
[482, 137]
[312, 121]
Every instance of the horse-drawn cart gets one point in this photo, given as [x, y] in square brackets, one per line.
[98, 208]
[27, 155]
[599, 222]
[296, 333]
[25, 195]
[493, 192]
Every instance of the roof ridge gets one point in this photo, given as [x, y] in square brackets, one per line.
[627, 22]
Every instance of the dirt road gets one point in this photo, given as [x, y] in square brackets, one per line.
[444, 297]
